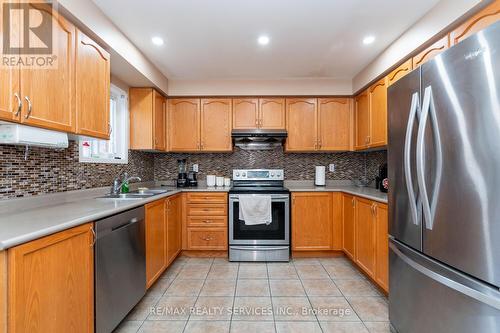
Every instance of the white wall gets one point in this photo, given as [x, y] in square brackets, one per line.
[127, 62]
[435, 21]
[259, 87]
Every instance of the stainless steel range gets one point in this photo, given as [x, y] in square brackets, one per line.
[261, 242]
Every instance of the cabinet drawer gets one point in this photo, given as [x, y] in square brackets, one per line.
[205, 221]
[206, 197]
[207, 210]
[207, 238]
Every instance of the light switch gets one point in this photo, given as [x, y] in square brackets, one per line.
[331, 167]
[195, 167]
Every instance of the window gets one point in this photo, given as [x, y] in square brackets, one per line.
[114, 150]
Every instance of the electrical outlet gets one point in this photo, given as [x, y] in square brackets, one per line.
[331, 167]
[195, 167]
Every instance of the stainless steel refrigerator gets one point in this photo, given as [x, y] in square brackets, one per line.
[444, 197]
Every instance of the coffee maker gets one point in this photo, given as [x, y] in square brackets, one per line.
[182, 176]
[381, 181]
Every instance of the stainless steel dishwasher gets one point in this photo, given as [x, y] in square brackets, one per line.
[120, 267]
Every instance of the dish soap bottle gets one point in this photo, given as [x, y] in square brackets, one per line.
[125, 188]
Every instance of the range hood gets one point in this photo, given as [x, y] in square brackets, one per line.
[258, 139]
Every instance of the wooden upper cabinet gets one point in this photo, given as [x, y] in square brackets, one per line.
[365, 235]
[302, 124]
[51, 283]
[216, 122]
[312, 228]
[92, 88]
[156, 240]
[184, 124]
[159, 119]
[382, 246]
[362, 121]
[272, 113]
[400, 71]
[147, 119]
[378, 114]
[431, 51]
[334, 123]
[348, 225]
[51, 92]
[174, 226]
[245, 113]
[488, 15]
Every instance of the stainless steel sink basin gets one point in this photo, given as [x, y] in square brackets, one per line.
[127, 196]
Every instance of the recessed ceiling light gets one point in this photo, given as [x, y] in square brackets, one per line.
[368, 40]
[263, 40]
[157, 41]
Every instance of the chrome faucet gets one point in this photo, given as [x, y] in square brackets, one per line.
[117, 186]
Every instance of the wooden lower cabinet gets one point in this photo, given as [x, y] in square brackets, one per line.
[382, 246]
[51, 283]
[365, 236]
[174, 227]
[312, 226]
[205, 221]
[156, 240]
[348, 210]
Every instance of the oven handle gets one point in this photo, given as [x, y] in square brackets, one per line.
[246, 248]
[274, 197]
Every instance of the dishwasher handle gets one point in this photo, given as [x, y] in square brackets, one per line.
[123, 225]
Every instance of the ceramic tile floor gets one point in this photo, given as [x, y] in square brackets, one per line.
[305, 295]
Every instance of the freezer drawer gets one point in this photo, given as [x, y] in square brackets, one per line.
[429, 297]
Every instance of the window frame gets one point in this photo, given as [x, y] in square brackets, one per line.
[121, 98]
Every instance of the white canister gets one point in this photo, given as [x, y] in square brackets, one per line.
[210, 180]
[219, 181]
[227, 182]
[319, 179]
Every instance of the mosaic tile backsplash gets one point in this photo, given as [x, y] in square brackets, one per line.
[348, 165]
[51, 170]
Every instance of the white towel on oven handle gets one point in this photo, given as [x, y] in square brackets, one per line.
[255, 209]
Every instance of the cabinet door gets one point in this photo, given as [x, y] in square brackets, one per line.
[272, 113]
[362, 118]
[92, 88]
[487, 16]
[184, 124]
[156, 241]
[348, 214]
[159, 118]
[365, 236]
[10, 105]
[245, 113]
[431, 51]
[301, 124]
[216, 122]
[334, 123]
[337, 224]
[51, 92]
[399, 72]
[378, 114]
[51, 283]
[312, 221]
[174, 216]
[382, 246]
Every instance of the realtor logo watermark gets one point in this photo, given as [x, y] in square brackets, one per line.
[28, 34]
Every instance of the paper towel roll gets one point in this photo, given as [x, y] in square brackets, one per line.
[319, 179]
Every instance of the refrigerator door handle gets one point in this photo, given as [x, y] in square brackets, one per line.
[415, 106]
[463, 289]
[428, 108]
[420, 159]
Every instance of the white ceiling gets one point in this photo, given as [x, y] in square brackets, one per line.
[217, 39]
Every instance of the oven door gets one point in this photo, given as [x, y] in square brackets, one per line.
[276, 233]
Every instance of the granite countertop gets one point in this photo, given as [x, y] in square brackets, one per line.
[26, 219]
[365, 192]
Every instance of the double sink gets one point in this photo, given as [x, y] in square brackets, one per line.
[135, 195]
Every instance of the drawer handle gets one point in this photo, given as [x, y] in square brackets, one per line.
[206, 209]
[206, 238]
[207, 221]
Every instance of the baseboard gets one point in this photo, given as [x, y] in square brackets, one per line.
[204, 254]
[317, 254]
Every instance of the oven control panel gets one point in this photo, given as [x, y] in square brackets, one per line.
[258, 174]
